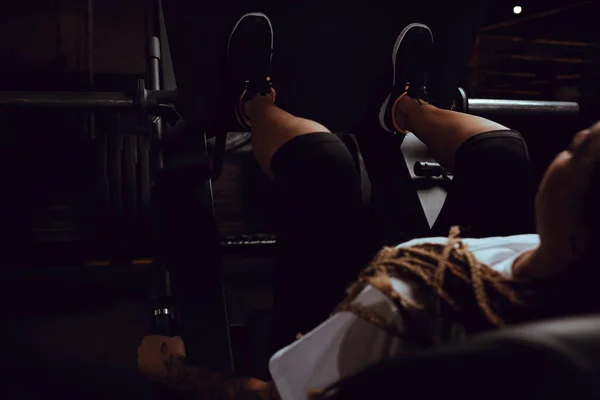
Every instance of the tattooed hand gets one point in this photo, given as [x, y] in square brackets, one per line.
[154, 351]
[163, 359]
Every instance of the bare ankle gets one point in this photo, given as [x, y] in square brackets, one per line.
[257, 102]
[404, 107]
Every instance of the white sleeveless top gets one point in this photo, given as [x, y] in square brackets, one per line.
[345, 344]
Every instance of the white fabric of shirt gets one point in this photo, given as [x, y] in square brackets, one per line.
[345, 344]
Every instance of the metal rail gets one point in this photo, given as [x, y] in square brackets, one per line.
[123, 101]
[70, 100]
[530, 108]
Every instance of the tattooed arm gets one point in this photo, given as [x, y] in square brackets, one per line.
[163, 359]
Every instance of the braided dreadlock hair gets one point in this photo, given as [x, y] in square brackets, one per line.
[462, 289]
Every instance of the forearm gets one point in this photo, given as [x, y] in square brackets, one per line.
[198, 383]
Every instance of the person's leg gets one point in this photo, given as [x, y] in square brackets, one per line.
[272, 127]
[492, 191]
[323, 237]
[443, 131]
[406, 108]
[321, 240]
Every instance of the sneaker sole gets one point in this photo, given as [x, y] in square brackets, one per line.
[394, 53]
[252, 14]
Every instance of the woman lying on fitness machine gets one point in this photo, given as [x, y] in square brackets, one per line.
[423, 292]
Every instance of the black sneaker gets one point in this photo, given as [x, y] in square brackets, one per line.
[249, 53]
[411, 59]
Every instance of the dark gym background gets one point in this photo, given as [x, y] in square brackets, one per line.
[71, 322]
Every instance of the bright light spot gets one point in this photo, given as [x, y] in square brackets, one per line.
[517, 9]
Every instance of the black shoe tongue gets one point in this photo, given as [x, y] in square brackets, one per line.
[260, 85]
[421, 94]
[417, 90]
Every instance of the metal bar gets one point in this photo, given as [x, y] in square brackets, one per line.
[154, 61]
[497, 107]
[218, 155]
[248, 240]
[238, 243]
[155, 84]
[82, 100]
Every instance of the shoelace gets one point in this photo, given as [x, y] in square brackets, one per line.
[417, 89]
[258, 86]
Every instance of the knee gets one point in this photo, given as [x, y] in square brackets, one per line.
[302, 126]
[504, 147]
[265, 148]
[319, 165]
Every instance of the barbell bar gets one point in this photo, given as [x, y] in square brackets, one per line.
[149, 98]
[69, 100]
[154, 100]
[529, 108]
[520, 108]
